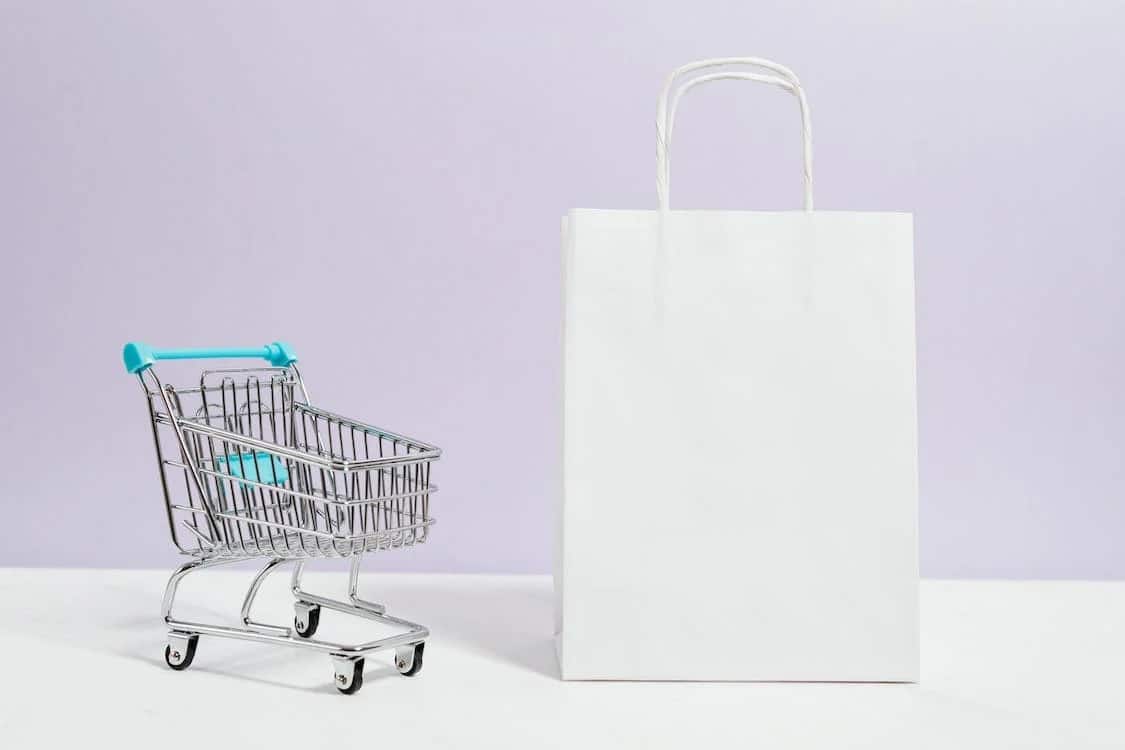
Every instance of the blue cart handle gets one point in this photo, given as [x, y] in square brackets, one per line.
[139, 357]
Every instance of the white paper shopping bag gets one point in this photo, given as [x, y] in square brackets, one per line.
[739, 494]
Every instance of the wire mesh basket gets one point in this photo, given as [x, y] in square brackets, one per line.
[265, 473]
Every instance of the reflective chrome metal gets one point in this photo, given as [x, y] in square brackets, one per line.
[178, 647]
[252, 592]
[345, 670]
[404, 658]
[353, 589]
[302, 612]
[249, 469]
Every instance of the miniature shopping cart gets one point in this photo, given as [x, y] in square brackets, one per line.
[250, 469]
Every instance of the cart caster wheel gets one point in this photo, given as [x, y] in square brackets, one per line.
[307, 619]
[408, 660]
[180, 651]
[349, 676]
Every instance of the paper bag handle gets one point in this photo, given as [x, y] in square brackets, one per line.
[779, 75]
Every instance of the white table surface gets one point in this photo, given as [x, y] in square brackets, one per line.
[1004, 665]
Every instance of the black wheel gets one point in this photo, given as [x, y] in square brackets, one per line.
[307, 628]
[180, 660]
[357, 679]
[416, 666]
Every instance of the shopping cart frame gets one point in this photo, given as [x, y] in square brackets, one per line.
[212, 543]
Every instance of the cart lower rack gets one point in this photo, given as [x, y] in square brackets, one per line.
[250, 469]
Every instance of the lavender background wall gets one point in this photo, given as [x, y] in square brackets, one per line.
[381, 184]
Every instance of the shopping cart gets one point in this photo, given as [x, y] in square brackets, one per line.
[250, 469]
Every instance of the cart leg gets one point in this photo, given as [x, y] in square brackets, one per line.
[409, 645]
[252, 593]
[179, 574]
[180, 650]
[353, 588]
[364, 606]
